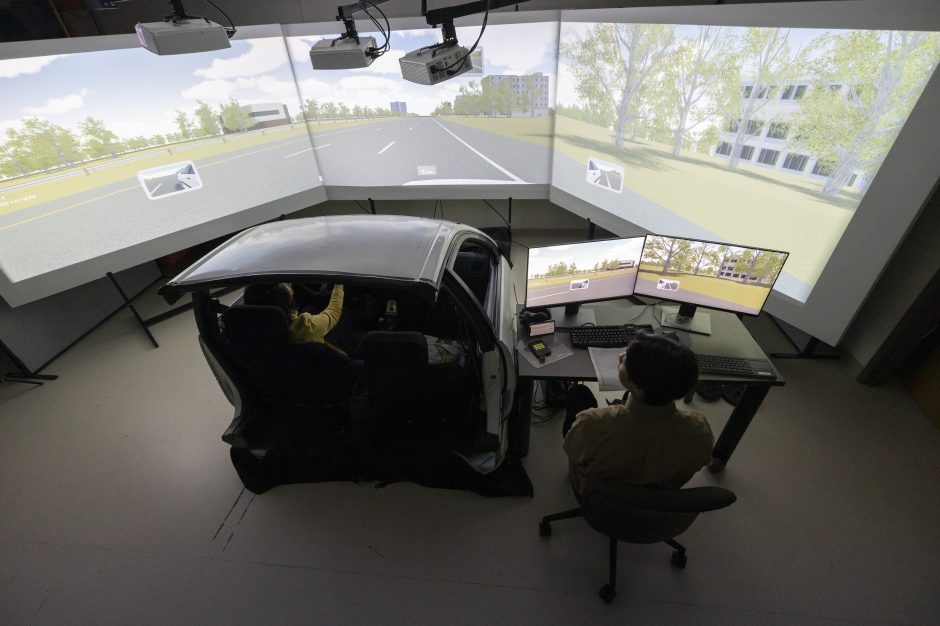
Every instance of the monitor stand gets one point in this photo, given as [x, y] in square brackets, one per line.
[683, 319]
[572, 316]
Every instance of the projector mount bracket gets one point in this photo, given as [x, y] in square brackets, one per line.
[345, 14]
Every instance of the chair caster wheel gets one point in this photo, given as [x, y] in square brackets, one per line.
[607, 594]
[545, 529]
[679, 559]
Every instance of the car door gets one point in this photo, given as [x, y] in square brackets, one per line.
[491, 310]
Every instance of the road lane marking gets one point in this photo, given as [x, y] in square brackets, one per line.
[154, 190]
[412, 128]
[296, 153]
[386, 147]
[377, 130]
[326, 145]
[114, 193]
[71, 206]
[557, 293]
[482, 156]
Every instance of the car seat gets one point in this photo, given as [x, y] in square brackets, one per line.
[412, 402]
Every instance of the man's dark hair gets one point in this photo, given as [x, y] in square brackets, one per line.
[271, 295]
[664, 369]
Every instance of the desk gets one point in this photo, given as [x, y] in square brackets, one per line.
[729, 338]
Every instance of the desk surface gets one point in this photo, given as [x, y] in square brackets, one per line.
[729, 338]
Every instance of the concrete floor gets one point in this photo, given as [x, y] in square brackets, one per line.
[120, 505]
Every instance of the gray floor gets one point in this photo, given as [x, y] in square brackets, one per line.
[120, 505]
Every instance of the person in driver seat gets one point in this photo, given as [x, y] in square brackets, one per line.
[304, 327]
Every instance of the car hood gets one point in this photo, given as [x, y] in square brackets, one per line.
[402, 250]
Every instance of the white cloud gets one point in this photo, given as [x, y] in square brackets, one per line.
[313, 88]
[385, 64]
[356, 83]
[522, 47]
[299, 48]
[57, 106]
[211, 90]
[566, 91]
[11, 68]
[263, 56]
[276, 87]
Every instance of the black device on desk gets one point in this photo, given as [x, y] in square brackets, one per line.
[539, 349]
[606, 336]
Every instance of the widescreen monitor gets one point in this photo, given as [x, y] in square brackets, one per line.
[573, 274]
[703, 273]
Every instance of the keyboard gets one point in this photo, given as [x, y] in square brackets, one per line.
[605, 336]
[734, 366]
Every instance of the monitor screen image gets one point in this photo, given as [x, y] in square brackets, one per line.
[104, 151]
[714, 275]
[771, 135]
[489, 126]
[582, 272]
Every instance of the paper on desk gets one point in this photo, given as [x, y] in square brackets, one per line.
[606, 363]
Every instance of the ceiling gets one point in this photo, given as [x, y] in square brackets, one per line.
[21, 20]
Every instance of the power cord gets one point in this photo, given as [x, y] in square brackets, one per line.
[449, 69]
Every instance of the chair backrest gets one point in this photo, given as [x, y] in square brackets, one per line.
[406, 392]
[256, 338]
[647, 514]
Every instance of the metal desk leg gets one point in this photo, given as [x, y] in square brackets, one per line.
[521, 424]
[740, 418]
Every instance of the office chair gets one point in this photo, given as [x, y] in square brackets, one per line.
[640, 515]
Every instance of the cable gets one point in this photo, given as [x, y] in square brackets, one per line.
[231, 30]
[362, 207]
[497, 213]
[386, 32]
[475, 43]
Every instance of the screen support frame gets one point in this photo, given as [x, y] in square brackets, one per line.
[683, 317]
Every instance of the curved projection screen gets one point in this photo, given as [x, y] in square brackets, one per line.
[804, 127]
[104, 151]
[490, 126]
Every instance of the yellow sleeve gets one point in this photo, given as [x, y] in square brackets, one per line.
[308, 327]
[578, 446]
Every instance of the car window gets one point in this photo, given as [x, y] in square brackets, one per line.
[475, 265]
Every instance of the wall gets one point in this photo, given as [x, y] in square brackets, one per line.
[913, 265]
[529, 216]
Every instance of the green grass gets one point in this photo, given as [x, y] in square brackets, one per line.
[92, 179]
[537, 130]
[560, 280]
[750, 206]
[752, 296]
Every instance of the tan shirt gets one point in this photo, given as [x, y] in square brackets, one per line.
[639, 444]
[306, 327]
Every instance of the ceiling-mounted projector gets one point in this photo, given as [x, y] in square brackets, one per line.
[434, 64]
[182, 36]
[180, 33]
[343, 53]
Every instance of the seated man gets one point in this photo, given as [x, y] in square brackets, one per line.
[304, 327]
[645, 440]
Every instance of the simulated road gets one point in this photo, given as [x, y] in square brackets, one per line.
[98, 221]
[426, 151]
[598, 289]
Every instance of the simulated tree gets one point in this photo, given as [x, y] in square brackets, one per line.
[98, 140]
[665, 251]
[234, 116]
[207, 122]
[880, 76]
[765, 58]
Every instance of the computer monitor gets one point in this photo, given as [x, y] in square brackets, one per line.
[696, 273]
[573, 274]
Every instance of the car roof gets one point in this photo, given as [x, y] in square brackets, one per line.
[388, 248]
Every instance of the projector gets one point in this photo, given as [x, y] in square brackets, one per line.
[428, 66]
[343, 53]
[182, 36]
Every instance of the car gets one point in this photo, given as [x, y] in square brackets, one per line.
[359, 414]
[579, 284]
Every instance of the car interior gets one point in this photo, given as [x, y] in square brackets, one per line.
[380, 399]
